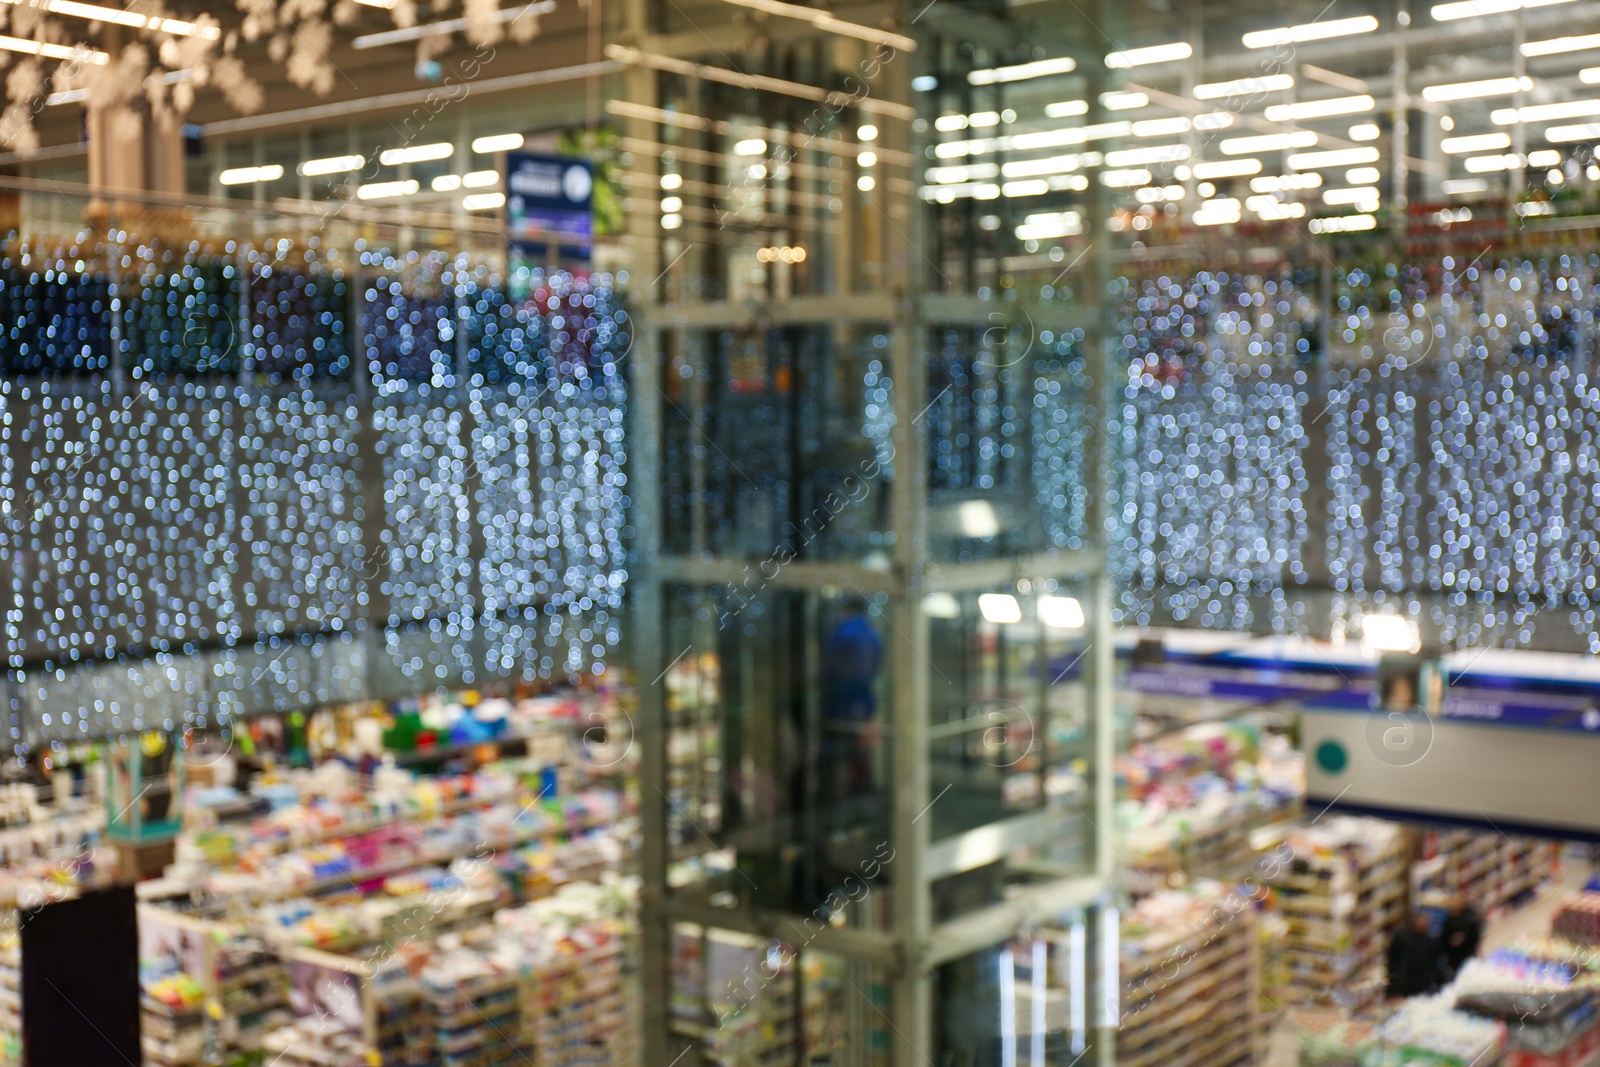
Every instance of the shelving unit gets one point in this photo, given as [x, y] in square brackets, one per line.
[1490, 870]
[1191, 967]
[1341, 894]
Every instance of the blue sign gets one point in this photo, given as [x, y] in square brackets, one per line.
[549, 200]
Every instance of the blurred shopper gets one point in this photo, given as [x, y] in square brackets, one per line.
[1463, 930]
[1414, 959]
[851, 660]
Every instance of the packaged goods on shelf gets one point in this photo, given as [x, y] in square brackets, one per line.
[1190, 973]
[1428, 1030]
[1489, 870]
[734, 994]
[1579, 919]
[1340, 886]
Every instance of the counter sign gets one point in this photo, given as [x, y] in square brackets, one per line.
[549, 200]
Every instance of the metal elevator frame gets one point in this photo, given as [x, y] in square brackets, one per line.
[914, 945]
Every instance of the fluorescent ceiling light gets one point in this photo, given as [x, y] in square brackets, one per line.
[1365, 131]
[1061, 612]
[1319, 109]
[447, 26]
[1583, 131]
[977, 518]
[316, 168]
[1589, 75]
[1162, 127]
[1031, 187]
[750, 146]
[941, 606]
[1048, 226]
[1122, 179]
[1232, 168]
[52, 51]
[497, 142]
[1286, 183]
[1544, 157]
[1557, 45]
[1143, 157]
[1123, 100]
[1474, 89]
[1265, 83]
[417, 153]
[1139, 57]
[480, 179]
[1363, 176]
[1310, 31]
[1491, 164]
[122, 17]
[1567, 109]
[1390, 633]
[868, 132]
[1344, 157]
[1029, 168]
[1477, 142]
[446, 183]
[1271, 142]
[1066, 109]
[1363, 195]
[1466, 9]
[1458, 186]
[1039, 68]
[247, 175]
[385, 190]
[1343, 224]
[1278, 211]
[1001, 608]
[483, 201]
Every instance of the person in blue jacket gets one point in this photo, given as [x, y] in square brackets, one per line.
[851, 661]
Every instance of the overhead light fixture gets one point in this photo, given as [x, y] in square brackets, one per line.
[1022, 168]
[387, 190]
[1049, 226]
[418, 153]
[1567, 109]
[1271, 142]
[1265, 83]
[823, 20]
[1390, 633]
[1582, 131]
[1466, 9]
[1475, 89]
[1124, 100]
[1461, 186]
[1232, 168]
[1131, 58]
[977, 519]
[999, 608]
[1061, 612]
[941, 605]
[1222, 211]
[1143, 157]
[1065, 109]
[1557, 45]
[483, 201]
[121, 17]
[1589, 75]
[1344, 157]
[446, 183]
[497, 142]
[924, 83]
[1039, 68]
[445, 27]
[1544, 157]
[671, 222]
[1363, 195]
[868, 132]
[1491, 164]
[1363, 176]
[316, 168]
[1343, 224]
[1284, 183]
[1124, 179]
[1477, 142]
[1365, 131]
[247, 175]
[750, 146]
[1162, 127]
[1320, 109]
[672, 181]
[52, 51]
[480, 179]
[1310, 31]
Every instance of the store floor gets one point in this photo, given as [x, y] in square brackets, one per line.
[1532, 918]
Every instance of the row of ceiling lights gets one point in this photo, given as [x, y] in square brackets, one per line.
[394, 157]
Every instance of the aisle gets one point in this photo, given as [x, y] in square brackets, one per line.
[1532, 918]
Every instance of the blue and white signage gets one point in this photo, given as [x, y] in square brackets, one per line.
[549, 200]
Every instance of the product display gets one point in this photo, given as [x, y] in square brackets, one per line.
[1482, 868]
